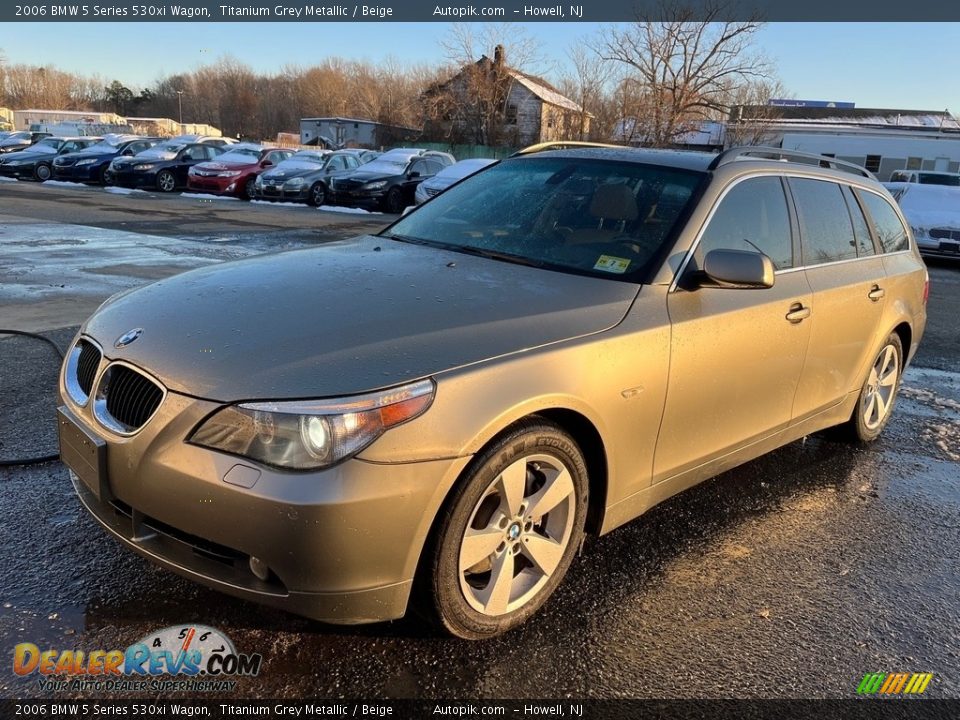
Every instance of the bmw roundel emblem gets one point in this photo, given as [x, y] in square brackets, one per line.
[128, 337]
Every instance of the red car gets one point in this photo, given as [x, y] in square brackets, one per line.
[234, 172]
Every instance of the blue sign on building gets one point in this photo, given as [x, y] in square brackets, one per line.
[811, 104]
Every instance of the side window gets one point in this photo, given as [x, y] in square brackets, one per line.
[752, 216]
[419, 167]
[860, 228]
[351, 161]
[826, 232]
[890, 231]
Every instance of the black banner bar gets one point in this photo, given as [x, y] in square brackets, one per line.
[205, 11]
[854, 709]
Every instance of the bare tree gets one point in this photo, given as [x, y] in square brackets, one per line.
[684, 70]
[586, 83]
[755, 128]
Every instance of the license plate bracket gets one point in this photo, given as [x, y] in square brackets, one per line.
[83, 452]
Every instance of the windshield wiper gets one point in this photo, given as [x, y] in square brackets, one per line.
[497, 255]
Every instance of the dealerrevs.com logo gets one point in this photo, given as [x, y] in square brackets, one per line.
[894, 683]
[177, 658]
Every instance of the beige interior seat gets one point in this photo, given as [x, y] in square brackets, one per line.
[613, 206]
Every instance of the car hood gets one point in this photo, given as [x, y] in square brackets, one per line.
[347, 318]
[34, 155]
[216, 165]
[367, 176]
[291, 171]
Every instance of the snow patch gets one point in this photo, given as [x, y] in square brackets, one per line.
[64, 183]
[206, 196]
[6, 179]
[121, 190]
[280, 204]
[354, 211]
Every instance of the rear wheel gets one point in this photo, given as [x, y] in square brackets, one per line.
[318, 195]
[42, 172]
[166, 182]
[509, 534]
[878, 394]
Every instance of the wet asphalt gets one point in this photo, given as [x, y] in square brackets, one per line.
[790, 576]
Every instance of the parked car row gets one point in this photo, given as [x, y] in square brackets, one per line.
[390, 181]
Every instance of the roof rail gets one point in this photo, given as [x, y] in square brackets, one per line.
[561, 145]
[772, 153]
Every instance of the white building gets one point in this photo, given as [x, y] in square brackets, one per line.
[880, 140]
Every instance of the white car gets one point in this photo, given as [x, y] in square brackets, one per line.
[933, 212]
[926, 177]
[448, 176]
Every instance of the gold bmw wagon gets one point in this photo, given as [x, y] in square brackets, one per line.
[436, 415]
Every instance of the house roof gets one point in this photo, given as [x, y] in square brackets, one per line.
[544, 90]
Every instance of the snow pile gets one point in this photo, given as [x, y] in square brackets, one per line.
[355, 211]
[206, 196]
[6, 179]
[64, 183]
[120, 190]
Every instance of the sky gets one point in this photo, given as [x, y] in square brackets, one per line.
[886, 65]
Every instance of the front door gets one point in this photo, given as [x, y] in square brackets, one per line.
[735, 354]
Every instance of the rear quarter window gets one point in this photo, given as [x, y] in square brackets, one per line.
[890, 231]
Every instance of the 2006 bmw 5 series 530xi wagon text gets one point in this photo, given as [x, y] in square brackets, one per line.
[547, 349]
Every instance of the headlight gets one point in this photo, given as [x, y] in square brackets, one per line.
[16, 163]
[88, 161]
[144, 166]
[309, 435]
[294, 183]
[374, 185]
[229, 173]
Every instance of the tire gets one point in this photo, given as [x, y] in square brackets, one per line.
[250, 188]
[485, 586]
[42, 172]
[104, 176]
[166, 181]
[393, 202]
[878, 395]
[318, 194]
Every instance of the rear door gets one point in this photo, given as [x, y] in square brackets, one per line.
[735, 355]
[848, 282]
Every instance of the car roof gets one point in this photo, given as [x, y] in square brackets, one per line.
[682, 159]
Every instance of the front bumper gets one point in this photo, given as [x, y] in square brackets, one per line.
[278, 194]
[216, 185]
[342, 544]
[22, 171]
[134, 178]
[938, 248]
[77, 173]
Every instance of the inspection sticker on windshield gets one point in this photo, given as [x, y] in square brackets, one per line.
[609, 263]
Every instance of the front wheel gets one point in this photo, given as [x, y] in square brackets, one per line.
[250, 189]
[42, 172]
[878, 394]
[510, 532]
[394, 203]
[166, 182]
[318, 195]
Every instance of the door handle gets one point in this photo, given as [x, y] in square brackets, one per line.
[876, 292]
[797, 313]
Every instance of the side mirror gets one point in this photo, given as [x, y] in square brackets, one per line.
[737, 269]
[413, 174]
[266, 163]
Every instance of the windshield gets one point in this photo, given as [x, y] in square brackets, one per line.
[387, 166]
[935, 179]
[240, 155]
[166, 151]
[104, 146]
[590, 216]
[48, 145]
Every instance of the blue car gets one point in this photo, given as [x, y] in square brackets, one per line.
[90, 165]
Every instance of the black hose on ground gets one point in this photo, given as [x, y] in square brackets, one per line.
[42, 458]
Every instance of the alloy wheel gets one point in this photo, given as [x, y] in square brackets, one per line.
[881, 387]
